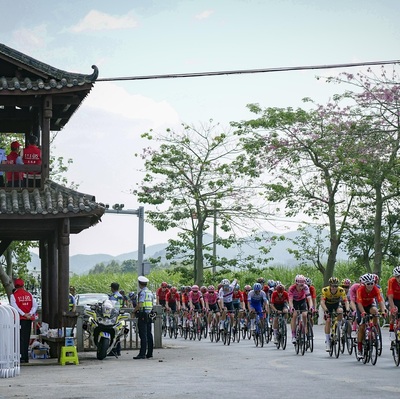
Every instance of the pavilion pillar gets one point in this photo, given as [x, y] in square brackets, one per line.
[63, 265]
[46, 116]
[53, 281]
[44, 277]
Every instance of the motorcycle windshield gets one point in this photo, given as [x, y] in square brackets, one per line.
[110, 309]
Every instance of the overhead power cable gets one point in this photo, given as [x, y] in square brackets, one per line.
[247, 71]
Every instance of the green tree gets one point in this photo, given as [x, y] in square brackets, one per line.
[192, 181]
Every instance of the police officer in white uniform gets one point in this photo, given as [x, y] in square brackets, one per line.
[143, 308]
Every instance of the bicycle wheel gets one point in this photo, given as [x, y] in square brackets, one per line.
[238, 331]
[310, 337]
[228, 332]
[191, 333]
[297, 343]
[267, 331]
[244, 329]
[185, 332]
[337, 340]
[255, 336]
[248, 329]
[164, 325]
[302, 341]
[349, 342]
[396, 352]
[175, 324]
[204, 326]
[199, 331]
[261, 338]
[373, 345]
[365, 352]
[343, 336]
[283, 334]
[379, 337]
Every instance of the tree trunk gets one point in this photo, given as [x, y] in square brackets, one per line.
[378, 231]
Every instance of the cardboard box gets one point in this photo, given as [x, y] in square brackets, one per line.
[40, 353]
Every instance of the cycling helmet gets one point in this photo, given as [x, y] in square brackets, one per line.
[261, 280]
[271, 283]
[247, 287]
[188, 288]
[333, 281]
[173, 290]
[237, 287]
[346, 282]
[277, 282]
[300, 279]
[164, 284]
[308, 281]
[367, 278]
[203, 289]
[183, 288]
[280, 288]
[225, 281]
[257, 287]
[169, 286]
[376, 278]
[195, 288]
[211, 288]
[396, 271]
[131, 295]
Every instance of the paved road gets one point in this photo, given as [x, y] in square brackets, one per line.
[203, 369]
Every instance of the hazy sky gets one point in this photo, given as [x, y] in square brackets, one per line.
[133, 38]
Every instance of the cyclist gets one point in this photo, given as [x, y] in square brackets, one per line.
[258, 302]
[313, 291]
[161, 294]
[196, 298]
[211, 303]
[225, 300]
[332, 299]
[237, 300]
[353, 306]
[366, 294]
[279, 304]
[299, 296]
[245, 292]
[172, 301]
[271, 286]
[393, 295]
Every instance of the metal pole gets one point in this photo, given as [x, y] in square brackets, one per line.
[140, 214]
[141, 241]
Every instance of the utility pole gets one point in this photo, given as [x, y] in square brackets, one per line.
[118, 208]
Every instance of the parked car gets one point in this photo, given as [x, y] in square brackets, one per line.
[90, 299]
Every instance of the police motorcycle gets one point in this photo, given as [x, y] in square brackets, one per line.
[105, 325]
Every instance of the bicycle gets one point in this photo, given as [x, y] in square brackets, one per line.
[300, 343]
[370, 341]
[395, 346]
[214, 332]
[226, 333]
[281, 332]
[346, 339]
[236, 328]
[173, 325]
[335, 333]
[258, 333]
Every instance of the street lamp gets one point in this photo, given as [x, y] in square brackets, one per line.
[118, 208]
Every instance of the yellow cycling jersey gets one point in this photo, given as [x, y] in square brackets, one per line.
[329, 297]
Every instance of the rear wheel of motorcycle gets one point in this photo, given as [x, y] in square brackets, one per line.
[102, 347]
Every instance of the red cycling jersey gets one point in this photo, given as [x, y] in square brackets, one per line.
[366, 298]
[162, 293]
[393, 288]
[279, 299]
[172, 298]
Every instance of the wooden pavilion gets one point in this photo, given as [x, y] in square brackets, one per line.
[36, 98]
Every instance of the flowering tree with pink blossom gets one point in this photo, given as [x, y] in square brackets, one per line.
[376, 167]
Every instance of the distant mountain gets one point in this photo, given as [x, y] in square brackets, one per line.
[81, 264]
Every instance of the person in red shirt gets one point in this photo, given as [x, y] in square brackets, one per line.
[393, 295]
[279, 304]
[245, 293]
[161, 294]
[367, 293]
[32, 155]
[14, 179]
[26, 306]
